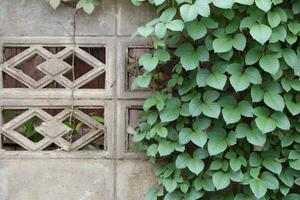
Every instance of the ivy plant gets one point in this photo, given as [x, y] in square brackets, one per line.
[225, 125]
[88, 6]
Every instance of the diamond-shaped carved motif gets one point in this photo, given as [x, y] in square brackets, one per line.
[54, 67]
[53, 128]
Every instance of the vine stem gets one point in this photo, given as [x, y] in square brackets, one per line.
[73, 78]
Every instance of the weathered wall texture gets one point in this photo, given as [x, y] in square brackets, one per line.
[114, 175]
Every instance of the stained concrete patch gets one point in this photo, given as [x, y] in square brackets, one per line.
[57, 179]
[37, 18]
[134, 178]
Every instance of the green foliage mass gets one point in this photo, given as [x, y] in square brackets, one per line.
[226, 122]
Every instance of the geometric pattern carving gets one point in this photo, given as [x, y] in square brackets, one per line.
[54, 67]
[52, 129]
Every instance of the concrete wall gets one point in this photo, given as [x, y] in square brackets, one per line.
[112, 175]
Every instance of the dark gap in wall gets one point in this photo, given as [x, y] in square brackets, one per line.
[53, 112]
[98, 52]
[54, 84]
[29, 67]
[27, 129]
[133, 117]
[54, 49]
[80, 129]
[133, 69]
[10, 52]
[10, 82]
[96, 83]
[80, 67]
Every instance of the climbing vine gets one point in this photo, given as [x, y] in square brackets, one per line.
[226, 123]
[223, 121]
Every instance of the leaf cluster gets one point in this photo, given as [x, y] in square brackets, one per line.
[88, 6]
[226, 121]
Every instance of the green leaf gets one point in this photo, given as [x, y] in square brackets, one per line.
[254, 160]
[216, 146]
[203, 53]
[260, 32]
[141, 81]
[274, 19]
[172, 110]
[162, 132]
[201, 77]
[211, 109]
[223, 3]
[190, 60]
[245, 108]
[269, 63]
[182, 161]
[239, 42]
[202, 7]
[281, 120]
[253, 56]
[217, 80]
[195, 106]
[294, 27]
[239, 82]
[296, 8]
[235, 164]
[168, 15]
[145, 31]
[160, 30]
[175, 25]
[188, 12]
[274, 101]
[148, 61]
[256, 137]
[290, 57]
[245, 2]
[151, 194]
[272, 165]
[295, 164]
[258, 187]
[195, 165]
[165, 147]
[221, 45]
[184, 136]
[88, 7]
[271, 181]
[291, 197]
[152, 150]
[149, 103]
[231, 115]
[162, 55]
[196, 30]
[253, 75]
[54, 3]
[220, 180]
[264, 5]
[210, 96]
[170, 184]
[257, 93]
[199, 138]
[158, 2]
[265, 124]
